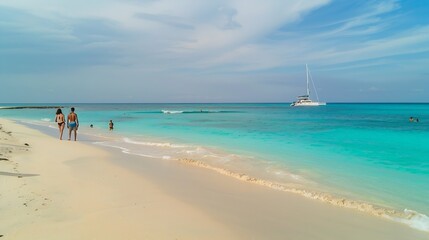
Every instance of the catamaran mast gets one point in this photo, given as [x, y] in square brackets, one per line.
[308, 88]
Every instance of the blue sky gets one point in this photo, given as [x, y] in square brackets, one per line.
[213, 51]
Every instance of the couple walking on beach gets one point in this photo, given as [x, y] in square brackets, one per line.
[72, 122]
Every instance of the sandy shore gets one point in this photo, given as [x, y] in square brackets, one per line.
[53, 189]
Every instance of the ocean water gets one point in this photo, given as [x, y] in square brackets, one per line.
[370, 153]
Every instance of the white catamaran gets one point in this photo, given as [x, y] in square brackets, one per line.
[305, 100]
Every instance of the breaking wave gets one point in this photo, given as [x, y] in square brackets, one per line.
[198, 111]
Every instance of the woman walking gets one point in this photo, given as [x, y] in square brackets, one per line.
[59, 118]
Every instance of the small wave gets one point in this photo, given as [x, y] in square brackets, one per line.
[171, 112]
[197, 111]
[154, 144]
[411, 218]
[41, 122]
[123, 149]
[197, 150]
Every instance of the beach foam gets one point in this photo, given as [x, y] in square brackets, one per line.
[171, 112]
[411, 218]
[155, 144]
[195, 111]
[123, 149]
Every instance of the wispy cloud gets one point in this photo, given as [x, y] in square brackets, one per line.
[367, 35]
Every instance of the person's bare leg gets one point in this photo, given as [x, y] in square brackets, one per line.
[70, 130]
[61, 131]
[75, 134]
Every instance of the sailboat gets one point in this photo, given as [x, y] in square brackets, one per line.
[305, 100]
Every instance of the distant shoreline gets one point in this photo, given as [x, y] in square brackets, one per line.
[31, 107]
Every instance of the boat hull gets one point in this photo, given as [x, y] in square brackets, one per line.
[308, 104]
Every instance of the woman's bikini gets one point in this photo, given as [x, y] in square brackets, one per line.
[59, 118]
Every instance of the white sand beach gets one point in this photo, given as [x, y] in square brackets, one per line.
[52, 189]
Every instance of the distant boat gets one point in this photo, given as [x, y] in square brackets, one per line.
[305, 100]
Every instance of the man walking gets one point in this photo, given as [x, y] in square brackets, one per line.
[72, 123]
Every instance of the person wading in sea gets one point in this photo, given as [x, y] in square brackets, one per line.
[72, 123]
[111, 125]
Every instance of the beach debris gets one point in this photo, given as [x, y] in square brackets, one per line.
[1, 235]
[26, 144]
[4, 159]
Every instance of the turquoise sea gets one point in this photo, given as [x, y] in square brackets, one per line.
[366, 152]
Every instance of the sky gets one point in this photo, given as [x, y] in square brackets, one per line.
[60, 51]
